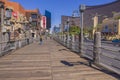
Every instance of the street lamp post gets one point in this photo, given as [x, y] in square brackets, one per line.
[2, 15]
[2, 19]
[30, 26]
[68, 20]
[81, 9]
[8, 15]
[68, 35]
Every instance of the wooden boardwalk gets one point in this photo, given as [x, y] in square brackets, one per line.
[49, 61]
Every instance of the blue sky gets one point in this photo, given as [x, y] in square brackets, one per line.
[58, 7]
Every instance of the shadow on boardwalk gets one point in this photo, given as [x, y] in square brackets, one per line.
[71, 64]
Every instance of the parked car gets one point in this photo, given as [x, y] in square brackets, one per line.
[116, 42]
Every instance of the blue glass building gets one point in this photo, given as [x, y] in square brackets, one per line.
[48, 19]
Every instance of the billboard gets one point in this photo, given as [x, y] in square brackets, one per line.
[43, 22]
[15, 14]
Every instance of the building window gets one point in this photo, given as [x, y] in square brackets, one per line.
[34, 16]
[106, 28]
[8, 13]
[115, 28]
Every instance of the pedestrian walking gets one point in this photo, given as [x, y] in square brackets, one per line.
[41, 40]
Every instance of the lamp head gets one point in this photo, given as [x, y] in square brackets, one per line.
[82, 8]
[2, 4]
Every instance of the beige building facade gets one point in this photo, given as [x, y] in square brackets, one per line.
[109, 28]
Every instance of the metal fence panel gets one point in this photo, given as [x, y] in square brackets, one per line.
[12, 45]
[107, 58]
[88, 50]
[110, 59]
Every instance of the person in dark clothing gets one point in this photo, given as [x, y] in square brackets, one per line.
[41, 40]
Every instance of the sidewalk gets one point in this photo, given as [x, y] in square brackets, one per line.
[49, 61]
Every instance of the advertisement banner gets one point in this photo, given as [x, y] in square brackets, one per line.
[14, 14]
[43, 22]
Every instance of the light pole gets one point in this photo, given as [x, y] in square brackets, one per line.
[2, 15]
[81, 9]
[30, 30]
[30, 22]
[68, 20]
[8, 15]
[68, 35]
[2, 19]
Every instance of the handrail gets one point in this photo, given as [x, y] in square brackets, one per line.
[6, 46]
[102, 56]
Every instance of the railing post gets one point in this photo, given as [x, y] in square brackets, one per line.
[73, 42]
[0, 49]
[15, 44]
[70, 42]
[68, 39]
[64, 39]
[60, 37]
[97, 47]
[20, 43]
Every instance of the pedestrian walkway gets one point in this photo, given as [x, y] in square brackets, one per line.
[49, 61]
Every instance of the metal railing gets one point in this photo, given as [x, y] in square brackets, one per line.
[88, 50]
[108, 58]
[13, 45]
